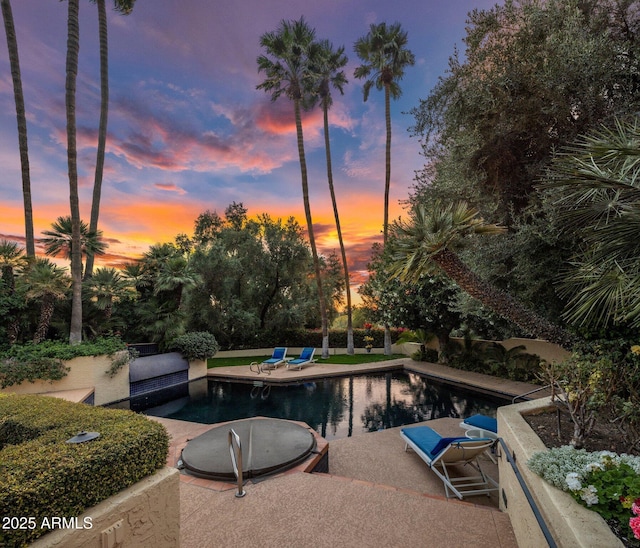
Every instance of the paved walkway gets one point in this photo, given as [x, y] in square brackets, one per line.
[375, 494]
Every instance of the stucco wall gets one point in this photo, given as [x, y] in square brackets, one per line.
[145, 514]
[85, 372]
[570, 523]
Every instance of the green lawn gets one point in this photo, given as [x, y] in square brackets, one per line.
[337, 359]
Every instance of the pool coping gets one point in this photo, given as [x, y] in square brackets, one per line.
[478, 382]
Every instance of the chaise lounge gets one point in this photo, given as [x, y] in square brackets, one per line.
[482, 426]
[439, 452]
[277, 358]
[306, 357]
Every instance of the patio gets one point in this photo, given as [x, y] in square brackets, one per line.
[375, 493]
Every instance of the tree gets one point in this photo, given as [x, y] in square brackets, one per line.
[59, 240]
[595, 183]
[73, 46]
[47, 284]
[12, 46]
[124, 7]
[286, 65]
[428, 244]
[385, 57]
[327, 65]
[12, 260]
[174, 276]
[535, 75]
[107, 286]
[257, 279]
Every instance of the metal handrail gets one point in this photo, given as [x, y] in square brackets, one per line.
[237, 465]
[531, 392]
[527, 494]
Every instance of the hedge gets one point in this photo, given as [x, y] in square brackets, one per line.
[306, 337]
[42, 476]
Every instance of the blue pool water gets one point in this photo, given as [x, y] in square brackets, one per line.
[336, 407]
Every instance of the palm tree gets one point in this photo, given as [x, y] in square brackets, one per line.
[73, 47]
[47, 284]
[175, 275]
[286, 65]
[12, 259]
[385, 57]
[60, 240]
[107, 286]
[327, 65]
[124, 7]
[428, 243]
[12, 45]
[596, 185]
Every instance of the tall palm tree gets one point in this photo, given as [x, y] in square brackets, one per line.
[596, 185]
[286, 65]
[124, 7]
[427, 244]
[12, 45]
[384, 58]
[327, 64]
[46, 283]
[73, 47]
[59, 240]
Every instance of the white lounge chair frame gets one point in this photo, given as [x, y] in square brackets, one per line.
[272, 363]
[299, 363]
[465, 452]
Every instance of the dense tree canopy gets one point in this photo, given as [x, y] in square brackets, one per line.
[535, 76]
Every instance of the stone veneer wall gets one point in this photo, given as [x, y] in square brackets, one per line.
[145, 514]
[570, 523]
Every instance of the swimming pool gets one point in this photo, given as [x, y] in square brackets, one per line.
[336, 407]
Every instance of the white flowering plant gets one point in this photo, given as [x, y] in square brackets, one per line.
[603, 481]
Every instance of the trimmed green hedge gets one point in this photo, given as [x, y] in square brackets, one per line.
[307, 337]
[42, 476]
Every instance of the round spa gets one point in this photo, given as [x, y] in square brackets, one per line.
[268, 446]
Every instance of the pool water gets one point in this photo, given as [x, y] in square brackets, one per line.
[336, 407]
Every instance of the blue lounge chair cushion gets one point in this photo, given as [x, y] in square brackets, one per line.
[429, 440]
[483, 422]
[305, 356]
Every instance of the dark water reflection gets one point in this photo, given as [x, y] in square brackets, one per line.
[335, 407]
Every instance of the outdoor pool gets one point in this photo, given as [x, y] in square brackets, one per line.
[336, 407]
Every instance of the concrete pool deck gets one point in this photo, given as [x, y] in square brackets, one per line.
[375, 493]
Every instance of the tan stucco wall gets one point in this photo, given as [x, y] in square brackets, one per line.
[570, 523]
[197, 369]
[146, 514]
[86, 372]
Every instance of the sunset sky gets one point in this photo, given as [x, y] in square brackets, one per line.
[189, 132]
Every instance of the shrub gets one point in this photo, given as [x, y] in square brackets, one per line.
[43, 476]
[197, 345]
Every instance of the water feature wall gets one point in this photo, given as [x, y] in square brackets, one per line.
[155, 372]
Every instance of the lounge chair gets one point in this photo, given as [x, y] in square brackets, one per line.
[439, 453]
[306, 357]
[276, 359]
[481, 425]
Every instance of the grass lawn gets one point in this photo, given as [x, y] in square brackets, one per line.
[337, 359]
